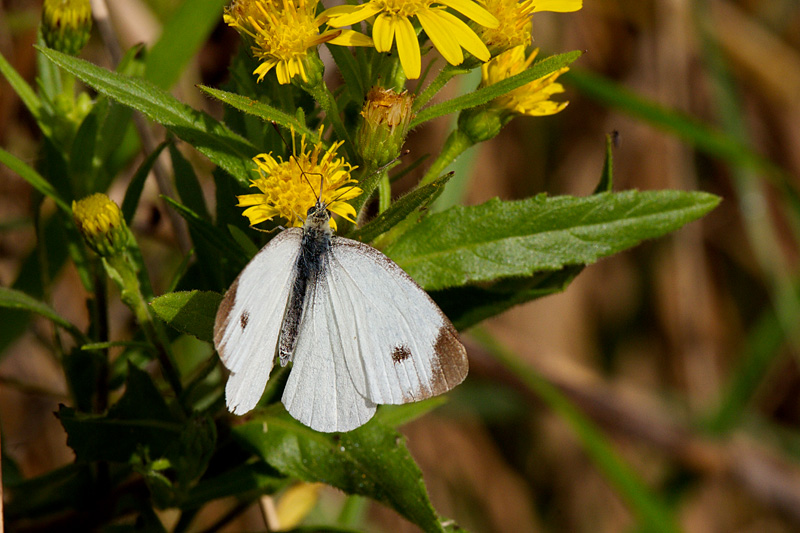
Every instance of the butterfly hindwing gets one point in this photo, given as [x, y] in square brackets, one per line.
[249, 319]
[319, 392]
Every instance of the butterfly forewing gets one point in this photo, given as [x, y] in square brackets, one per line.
[249, 319]
[397, 344]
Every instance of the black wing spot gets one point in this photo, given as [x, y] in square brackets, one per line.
[244, 319]
[400, 353]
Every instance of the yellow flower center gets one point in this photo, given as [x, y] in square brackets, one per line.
[289, 188]
[515, 24]
[96, 214]
[281, 29]
[402, 8]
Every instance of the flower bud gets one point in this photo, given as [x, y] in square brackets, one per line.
[100, 222]
[66, 24]
[384, 125]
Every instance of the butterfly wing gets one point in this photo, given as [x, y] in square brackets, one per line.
[319, 392]
[249, 319]
[398, 345]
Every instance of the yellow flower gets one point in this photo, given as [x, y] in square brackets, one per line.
[100, 222]
[515, 20]
[532, 99]
[290, 188]
[66, 24]
[448, 33]
[284, 34]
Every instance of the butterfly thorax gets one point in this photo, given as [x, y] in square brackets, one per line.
[309, 269]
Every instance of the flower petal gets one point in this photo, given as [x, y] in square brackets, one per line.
[466, 37]
[471, 10]
[439, 32]
[352, 38]
[558, 6]
[383, 33]
[408, 47]
[341, 16]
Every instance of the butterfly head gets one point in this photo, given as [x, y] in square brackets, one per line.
[318, 217]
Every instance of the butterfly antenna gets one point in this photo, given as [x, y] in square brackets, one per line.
[296, 162]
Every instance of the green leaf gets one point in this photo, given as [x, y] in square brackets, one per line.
[82, 156]
[189, 312]
[212, 138]
[399, 210]
[247, 481]
[486, 94]
[497, 239]
[187, 184]
[703, 136]
[33, 178]
[139, 420]
[263, 111]
[33, 271]
[397, 415]
[606, 183]
[371, 460]
[181, 38]
[468, 305]
[21, 87]
[13, 299]
[135, 187]
[213, 235]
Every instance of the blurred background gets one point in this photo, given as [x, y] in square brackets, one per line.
[684, 351]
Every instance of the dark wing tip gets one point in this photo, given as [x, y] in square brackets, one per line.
[223, 314]
[453, 365]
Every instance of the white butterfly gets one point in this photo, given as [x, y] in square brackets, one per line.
[356, 328]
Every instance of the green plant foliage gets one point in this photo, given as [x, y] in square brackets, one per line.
[499, 239]
[371, 460]
[146, 410]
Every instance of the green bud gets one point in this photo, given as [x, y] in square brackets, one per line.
[66, 24]
[384, 124]
[482, 123]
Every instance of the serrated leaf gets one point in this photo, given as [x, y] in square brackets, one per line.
[399, 210]
[466, 245]
[468, 305]
[14, 299]
[212, 138]
[189, 312]
[371, 460]
[35, 179]
[486, 94]
[263, 111]
[139, 420]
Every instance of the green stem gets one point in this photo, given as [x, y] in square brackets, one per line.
[384, 193]
[455, 145]
[131, 295]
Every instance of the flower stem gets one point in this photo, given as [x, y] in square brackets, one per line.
[455, 145]
[119, 269]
